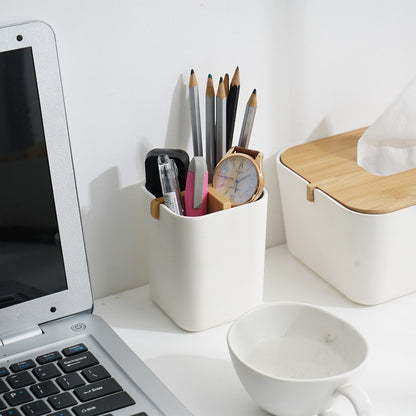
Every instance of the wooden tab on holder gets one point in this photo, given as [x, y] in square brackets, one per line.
[310, 187]
[216, 202]
[155, 207]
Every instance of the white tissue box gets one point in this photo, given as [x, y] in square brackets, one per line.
[354, 229]
[207, 270]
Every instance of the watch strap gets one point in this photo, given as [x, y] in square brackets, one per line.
[250, 152]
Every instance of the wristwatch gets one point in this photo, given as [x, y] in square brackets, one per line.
[239, 175]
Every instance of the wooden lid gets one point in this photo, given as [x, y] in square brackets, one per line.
[330, 164]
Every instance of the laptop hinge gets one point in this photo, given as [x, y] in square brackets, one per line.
[19, 336]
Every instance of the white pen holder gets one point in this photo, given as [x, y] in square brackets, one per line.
[207, 270]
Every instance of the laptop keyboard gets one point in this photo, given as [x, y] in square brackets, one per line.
[67, 383]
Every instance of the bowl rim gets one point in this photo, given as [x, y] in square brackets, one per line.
[269, 305]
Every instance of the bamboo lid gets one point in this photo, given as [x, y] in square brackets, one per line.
[330, 164]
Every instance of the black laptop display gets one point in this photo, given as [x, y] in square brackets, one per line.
[31, 262]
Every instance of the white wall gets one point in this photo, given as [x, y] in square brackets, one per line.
[320, 67]
[349, 59]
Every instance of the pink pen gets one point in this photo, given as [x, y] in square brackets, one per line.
[196, 190]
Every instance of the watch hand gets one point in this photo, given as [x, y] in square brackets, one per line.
[244, 177]
[236, 186]
[226, 177]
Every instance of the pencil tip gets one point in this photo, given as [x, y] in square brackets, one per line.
[221, 80]
[237, 68]
[192, 71]
[254, 91]
[209, 76]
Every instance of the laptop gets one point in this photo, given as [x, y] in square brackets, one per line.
[56, 357]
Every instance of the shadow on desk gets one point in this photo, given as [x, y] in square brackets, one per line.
[287, 279]
[134, 310]
[213, 382]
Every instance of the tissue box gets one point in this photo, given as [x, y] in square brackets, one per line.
[354, 229]
[207, 270]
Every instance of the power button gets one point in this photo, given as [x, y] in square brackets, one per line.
[78, 327]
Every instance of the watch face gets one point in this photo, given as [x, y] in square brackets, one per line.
[237, 178]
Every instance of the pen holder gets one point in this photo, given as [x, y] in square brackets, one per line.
[207, 270]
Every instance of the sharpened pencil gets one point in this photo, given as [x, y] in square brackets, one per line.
[232, 103]
[220, 123]
[248, 120]
[195, 114]
[210, 127]
[227, 84]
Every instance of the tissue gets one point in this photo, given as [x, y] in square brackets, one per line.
[388, 146]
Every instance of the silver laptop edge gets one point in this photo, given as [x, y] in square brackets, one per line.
[65, 317]
[27, 316]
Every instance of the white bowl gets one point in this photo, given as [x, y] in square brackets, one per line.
[293, 358]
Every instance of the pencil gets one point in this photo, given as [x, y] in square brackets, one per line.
[195, 114]
[210, 126]
[227, 84]
[232, 103]
[221, 114]
[248, 120]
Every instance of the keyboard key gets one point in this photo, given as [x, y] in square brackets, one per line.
[62, 400]
[98, 389]
[22, 365]
[77, 362]
[3, 386]
[70, 381]
[20, 380]
[49, 357]
[96, 373]
[60, 413]
[47, 388]
[4, 371]
[75, 349]
[10, 412]
[104, 405]
[46, 372]
[2, 405]
[35, 408]
[16, 397]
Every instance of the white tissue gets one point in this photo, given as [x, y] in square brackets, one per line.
[388, 146]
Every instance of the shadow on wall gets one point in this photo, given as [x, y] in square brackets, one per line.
[179, 124]
[275, 226]
[323, 129]
[114, 225]
[114, 235]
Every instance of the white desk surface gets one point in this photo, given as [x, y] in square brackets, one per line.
[196, 366]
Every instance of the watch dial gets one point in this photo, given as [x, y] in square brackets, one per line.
[236, 177]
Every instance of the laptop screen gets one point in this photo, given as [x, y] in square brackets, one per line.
[31, 261]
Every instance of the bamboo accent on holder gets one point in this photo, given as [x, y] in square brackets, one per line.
[330, 164]
[216, 202]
